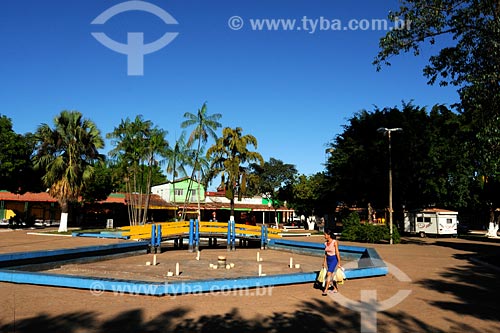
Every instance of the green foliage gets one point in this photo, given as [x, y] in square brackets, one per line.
[230, 157]
[354, 230]
[396, 237]
[466, 36]
[313, 194]
[273, 179]
[467, 29]
[205, 126]
[67, 154]
[138, 146]
[100, 185]
[428, 166]
[16, 170]
[351, 227]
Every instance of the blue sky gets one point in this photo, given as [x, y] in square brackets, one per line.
[292, 90]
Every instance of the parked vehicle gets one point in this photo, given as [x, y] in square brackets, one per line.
[431, 221]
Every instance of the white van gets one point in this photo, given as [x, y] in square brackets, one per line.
[431, 221]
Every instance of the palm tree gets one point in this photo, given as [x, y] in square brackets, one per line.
[67, 154]
[205, 127]
[137, 143]
[229, 155]
[156, 145]
[204, 174]
[177, 159]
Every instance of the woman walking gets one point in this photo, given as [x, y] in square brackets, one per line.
[332, 259]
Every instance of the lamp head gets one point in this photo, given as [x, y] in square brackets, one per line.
[385, 129]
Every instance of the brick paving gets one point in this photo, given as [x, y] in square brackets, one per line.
[434, 285]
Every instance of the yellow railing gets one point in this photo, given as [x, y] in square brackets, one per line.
[169, 229]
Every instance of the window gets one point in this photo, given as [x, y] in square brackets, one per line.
[449, 221]
[193, 194]
[179, 192]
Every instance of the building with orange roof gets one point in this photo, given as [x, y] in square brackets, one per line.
[42, 208]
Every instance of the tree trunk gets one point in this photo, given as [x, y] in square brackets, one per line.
[493, 226]
[63, 224]
[148, 189]
[191, 179]
[198, 193]
[492, 230]
[232, 208]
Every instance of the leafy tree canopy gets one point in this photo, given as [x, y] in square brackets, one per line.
[16, 171]
[231, 157]
[467, 35]
[429, 168]
[273, 178]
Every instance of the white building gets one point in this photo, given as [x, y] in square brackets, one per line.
[431, 221]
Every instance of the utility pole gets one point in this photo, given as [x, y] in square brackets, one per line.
[388, 131]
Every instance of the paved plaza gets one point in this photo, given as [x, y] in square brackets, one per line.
[434, 285]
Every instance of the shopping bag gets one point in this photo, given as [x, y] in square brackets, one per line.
[339, 275]
[322, 275]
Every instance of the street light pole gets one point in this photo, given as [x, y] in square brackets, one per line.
[389, 131]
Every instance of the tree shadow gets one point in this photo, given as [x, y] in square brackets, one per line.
[316, 316]
[479, 247]
[475, 288]
[473, 285]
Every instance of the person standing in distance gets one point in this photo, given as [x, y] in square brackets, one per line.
[214, 217]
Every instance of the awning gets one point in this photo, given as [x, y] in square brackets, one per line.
[238, 209]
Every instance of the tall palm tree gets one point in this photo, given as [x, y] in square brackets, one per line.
[156, 145]
[205, 126]
[177, 159]
[203, 178]
[67, 154]
[229, 155]
[137, 144]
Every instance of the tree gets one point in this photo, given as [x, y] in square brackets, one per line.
[101, 185]
[138, 146]
[205, 126]
[177, 159]
[16, 170]
[67, 154]
[469, 32]
[204, 176]
[428, 167]
[273, 178]
[312, 194]
[119, 174]
[229, 156]
[472, 54]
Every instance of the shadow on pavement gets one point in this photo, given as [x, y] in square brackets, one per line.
[314, 316]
